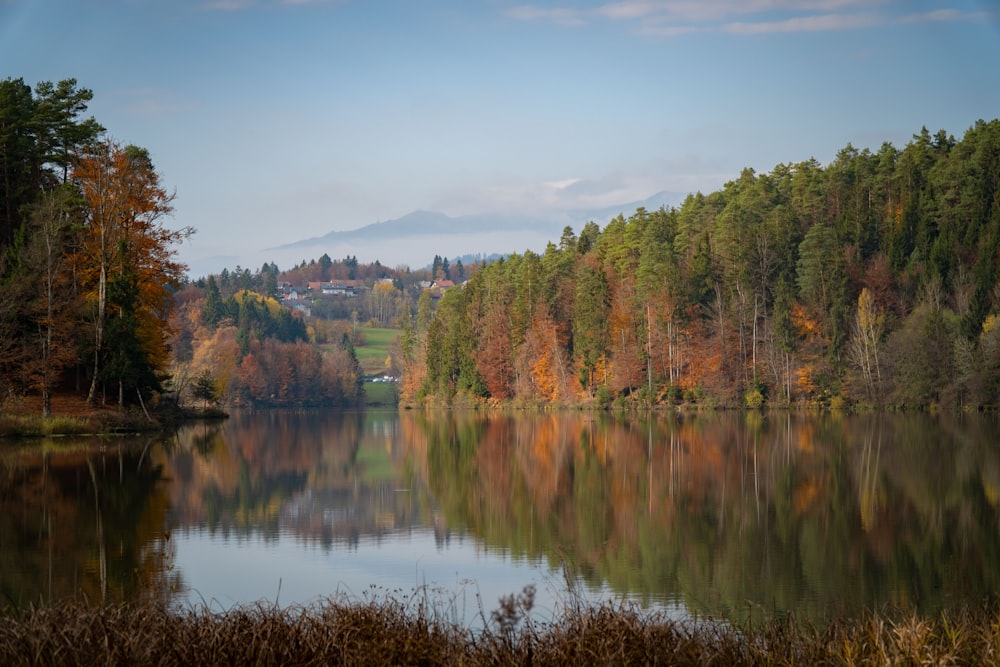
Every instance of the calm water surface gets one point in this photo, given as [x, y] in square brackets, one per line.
[719, 515]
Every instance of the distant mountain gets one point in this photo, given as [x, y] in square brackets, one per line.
[429, 223]
[432, 223]
[664, 199]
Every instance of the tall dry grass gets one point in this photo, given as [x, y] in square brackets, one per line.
[391, 632]
[29, 426]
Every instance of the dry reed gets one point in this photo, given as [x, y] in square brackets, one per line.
[388, 631]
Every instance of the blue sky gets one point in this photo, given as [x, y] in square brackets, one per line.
[276, 121]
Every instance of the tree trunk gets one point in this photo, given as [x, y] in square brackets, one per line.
[98, 331]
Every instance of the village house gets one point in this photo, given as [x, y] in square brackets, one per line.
[347, 288]
[439, 287]
[291, 292]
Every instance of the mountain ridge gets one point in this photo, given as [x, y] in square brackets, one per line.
[422, 222]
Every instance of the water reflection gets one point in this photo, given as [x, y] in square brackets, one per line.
[723, 515]
[83, 519]
[325, 477]
[735, 514]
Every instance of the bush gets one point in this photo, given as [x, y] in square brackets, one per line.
[753, 398]
[604, 396]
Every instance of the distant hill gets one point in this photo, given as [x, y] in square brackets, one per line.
[428, 223]
[432, 223]
[415, 238]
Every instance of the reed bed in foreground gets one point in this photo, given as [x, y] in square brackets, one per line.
[387, 632]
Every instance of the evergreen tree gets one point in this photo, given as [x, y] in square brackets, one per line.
[126, 363]
[212, 310]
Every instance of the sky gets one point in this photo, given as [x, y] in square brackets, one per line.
[280, 120]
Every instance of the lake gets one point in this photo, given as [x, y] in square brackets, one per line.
[721, 515]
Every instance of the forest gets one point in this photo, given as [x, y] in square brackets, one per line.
[92, 295]
[87, 265]
[870, 282]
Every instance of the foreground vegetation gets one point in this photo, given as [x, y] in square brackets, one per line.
[403, 632]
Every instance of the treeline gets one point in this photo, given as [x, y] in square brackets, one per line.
[86, 263]
[869, 281]
[381, 296]
[234, 341]
[248, 349]
[376, 301]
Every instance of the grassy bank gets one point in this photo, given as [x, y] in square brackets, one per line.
[28, 426]
[381, 393]
[405, 632]
[71, 416]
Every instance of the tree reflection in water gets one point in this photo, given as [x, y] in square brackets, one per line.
[728, 514]
[734, 514]
[85, 519]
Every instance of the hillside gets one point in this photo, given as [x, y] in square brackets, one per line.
[871, 281]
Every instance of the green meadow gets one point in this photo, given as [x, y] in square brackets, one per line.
[373, 351]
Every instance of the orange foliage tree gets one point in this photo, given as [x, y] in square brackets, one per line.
[493, 353]
[542, 359]
[48, 346]
[124, 232]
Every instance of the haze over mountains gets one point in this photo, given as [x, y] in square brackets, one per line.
[415, 238]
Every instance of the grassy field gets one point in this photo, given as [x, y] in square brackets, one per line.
[372, 352]
[381, 393]
[374, 349]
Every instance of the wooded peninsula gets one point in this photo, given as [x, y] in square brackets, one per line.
[867, 283]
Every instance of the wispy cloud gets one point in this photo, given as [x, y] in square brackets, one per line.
[229, 5]
[682, 174]
[945, 15]
[314, 2]
[822, 22]
[238, 5]
[560, 16]
[740, 17]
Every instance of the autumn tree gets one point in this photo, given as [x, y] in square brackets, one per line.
[490, 291]
[49, 345]
[382, 301]
[124, 232]
[866, 343]
[544, 369]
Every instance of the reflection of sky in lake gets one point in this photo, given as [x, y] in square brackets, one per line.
[459, 576]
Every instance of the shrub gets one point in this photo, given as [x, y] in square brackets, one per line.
[753, 398]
